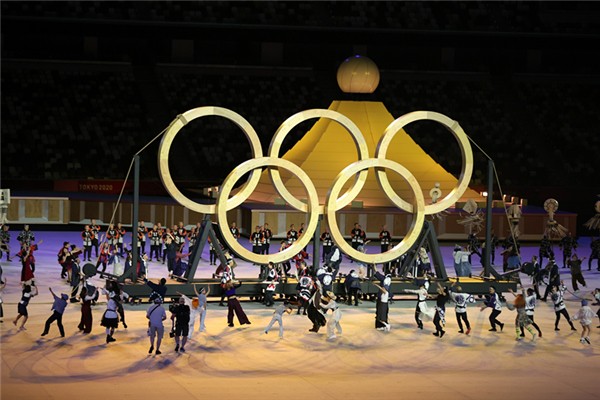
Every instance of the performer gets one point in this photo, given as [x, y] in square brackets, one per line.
[5, 242]
[267, 235]
[233, 304]
[559, 305]
[278, 317]
[256, 239]
[110, 318]
[234, 231]
[530, 301]
[567, 244]
[96, 229]
[327, 242]
[314, 312]
[325, 280]
[180, 236]
[545, 249]
[292, 235]
[424, 263]
[299, 259]
[63, 260]
[201, 309]
[272, 280]
[225, 273]
[522, 320]
[58, 309]
[154, 235]
[212, 252]
[28, 262]
[493, 301]
[142, 266]
[359, 238]
[585, 315]
[510, 254]
[553, 277]
[112, 236]
[461, 299]
[305, 288]
[474, 247]
[121, 237]
[180, 313]
[352, 285]
[594, 245]
[26, 236]
[86, 297]
[333, 323]
[382, 309]
[75, 273]
[537, 276]
[142, 235]
[26, 295]
[171, 249]
[421, 309]
[106, 257]
[462, 266]
[194, 235]
[156, 314]
[385, 239]
[167, 235]
[334, 259]
[576, 275]
[158, 290]
[439, 319]
[355, 235]
[285, 265]
[88, 239]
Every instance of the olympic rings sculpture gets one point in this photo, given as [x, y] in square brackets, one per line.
[333, 203]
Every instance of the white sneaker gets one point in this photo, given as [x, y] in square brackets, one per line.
[388, 327]
[331, 337]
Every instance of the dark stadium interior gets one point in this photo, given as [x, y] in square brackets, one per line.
[86, 84]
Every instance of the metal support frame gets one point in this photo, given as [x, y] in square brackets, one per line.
[427, 235]
[317, 244]
[206, 231]
[488, 269]
[131, 272]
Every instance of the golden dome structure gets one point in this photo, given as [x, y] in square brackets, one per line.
[358, 74]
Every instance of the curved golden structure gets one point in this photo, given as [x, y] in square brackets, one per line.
[285, 128]
[331, 207]
[166, 142]
[223, 206]
[333, 203]
[465, 150]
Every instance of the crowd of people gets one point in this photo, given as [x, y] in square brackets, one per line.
[315, 291]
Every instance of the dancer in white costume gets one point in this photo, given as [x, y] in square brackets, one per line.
[422, 309]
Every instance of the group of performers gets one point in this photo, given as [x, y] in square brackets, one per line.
[315, 286]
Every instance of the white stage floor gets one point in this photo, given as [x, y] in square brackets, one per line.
[244, 363]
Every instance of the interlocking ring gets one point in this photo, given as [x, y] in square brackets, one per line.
[359, 169]
[415, 226]
[223, 207]
[167, 141]
[357, 137]
[465, 149]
